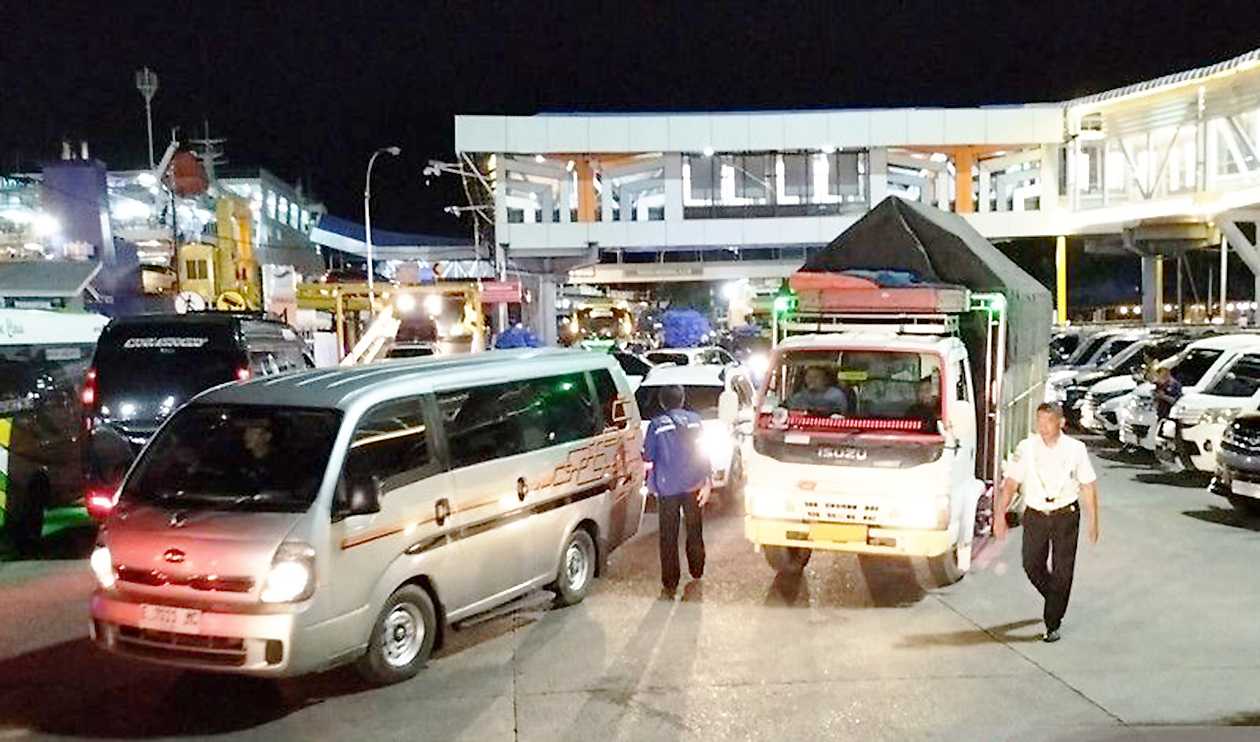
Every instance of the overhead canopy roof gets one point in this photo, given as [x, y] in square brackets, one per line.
[347, 236]
[46, 279]
[939, 247]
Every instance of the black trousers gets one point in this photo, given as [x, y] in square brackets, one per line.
[1051, 539]
[667, 509]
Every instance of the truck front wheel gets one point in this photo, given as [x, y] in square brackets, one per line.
[787, 559]
[945, 569]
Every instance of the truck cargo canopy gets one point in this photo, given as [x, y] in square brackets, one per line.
[941, 248]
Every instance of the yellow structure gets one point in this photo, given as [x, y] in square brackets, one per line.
[1060, 270]
[225, 274]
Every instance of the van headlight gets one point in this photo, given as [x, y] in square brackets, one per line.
[717, 445]
[103, 567]
[292, 574]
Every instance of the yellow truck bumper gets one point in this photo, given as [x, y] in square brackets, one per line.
[852, 537]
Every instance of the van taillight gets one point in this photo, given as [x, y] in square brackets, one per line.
[242, 374]
[89, 389]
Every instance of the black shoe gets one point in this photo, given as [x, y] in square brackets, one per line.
[667, 594]
[1050, 637]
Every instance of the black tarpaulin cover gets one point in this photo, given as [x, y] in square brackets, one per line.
[939, 247]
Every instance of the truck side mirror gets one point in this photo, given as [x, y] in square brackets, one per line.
[728, 407]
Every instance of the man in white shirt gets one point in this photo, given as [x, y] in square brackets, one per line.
[1054, 473]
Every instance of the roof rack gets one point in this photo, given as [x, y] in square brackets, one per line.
[892, 324]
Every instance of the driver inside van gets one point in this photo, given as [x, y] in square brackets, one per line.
[927, 404]
[820, 394]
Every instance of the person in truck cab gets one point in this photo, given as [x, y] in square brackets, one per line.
[927, 405]
[820, 394]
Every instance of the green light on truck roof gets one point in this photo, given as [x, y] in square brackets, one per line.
[784, 303]
[989, 302]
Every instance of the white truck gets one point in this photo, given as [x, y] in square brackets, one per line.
[909, 369]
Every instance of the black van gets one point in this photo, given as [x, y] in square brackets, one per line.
[145, 367]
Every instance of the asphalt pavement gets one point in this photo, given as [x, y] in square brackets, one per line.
[1161, 641]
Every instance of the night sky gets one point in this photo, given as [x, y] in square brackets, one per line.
[308, 90]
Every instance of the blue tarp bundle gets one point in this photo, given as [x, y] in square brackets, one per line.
[684, 328]
[517, 337]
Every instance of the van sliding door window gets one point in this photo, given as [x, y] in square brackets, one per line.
[501, 420]
[606, 392]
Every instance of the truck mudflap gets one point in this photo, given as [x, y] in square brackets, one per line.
[851, 537]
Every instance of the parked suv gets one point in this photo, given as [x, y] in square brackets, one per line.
[1238, 464]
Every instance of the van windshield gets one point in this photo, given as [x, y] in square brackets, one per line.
[1193, 365]
[236, 457]
[885, 385]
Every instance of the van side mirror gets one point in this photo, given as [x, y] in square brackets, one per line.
[728, 407]
[363, 496]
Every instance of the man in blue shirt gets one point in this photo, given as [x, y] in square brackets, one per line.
[680, 481]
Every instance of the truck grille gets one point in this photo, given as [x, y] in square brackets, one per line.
[844, 512]
[166, 645]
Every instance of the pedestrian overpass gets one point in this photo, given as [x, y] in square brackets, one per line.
[1154, 168]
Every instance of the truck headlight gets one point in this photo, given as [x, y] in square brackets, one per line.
[292, 574]
[717, 445]
[103, 567]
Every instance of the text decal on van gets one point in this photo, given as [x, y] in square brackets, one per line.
[166, 342]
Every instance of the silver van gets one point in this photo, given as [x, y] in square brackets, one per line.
[290, 524]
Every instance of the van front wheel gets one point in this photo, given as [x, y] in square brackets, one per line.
[402, 637]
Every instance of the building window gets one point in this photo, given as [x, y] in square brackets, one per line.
[765, 184]
[271, 204]
[283, 209]
[294, 221]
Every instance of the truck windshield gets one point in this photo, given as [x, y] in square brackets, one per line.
[881, 385]
[236, 457]
[1242, 379]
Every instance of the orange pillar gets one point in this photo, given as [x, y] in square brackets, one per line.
[964, 160]
[586, 190]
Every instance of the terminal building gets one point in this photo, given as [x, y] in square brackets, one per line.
[1152, 169]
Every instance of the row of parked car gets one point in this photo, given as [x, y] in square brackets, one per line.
[1104, 378]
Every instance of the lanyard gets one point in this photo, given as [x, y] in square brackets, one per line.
[1040, 480]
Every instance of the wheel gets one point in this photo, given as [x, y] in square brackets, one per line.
[1247, 505]
[24, 519]
[787, 559]
[945, 569]
[402, 637]
[577, 569]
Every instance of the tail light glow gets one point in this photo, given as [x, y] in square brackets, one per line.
[88, 395]
[242, 374]
[100, 502]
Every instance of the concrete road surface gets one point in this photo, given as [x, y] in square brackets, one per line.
[1162, 641]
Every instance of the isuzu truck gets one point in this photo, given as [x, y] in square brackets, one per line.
[909, 362]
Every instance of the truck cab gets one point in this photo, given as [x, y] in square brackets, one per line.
[866, 442]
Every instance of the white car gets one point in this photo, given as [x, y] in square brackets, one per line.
[1191, 435]
[1100, 413]
[1194, 368]
[703, 387]
[1100, 349]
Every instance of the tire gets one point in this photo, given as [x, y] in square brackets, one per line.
[576, 573]
[789, 560]
[24, 519]
[944, 568]
[402, 637]
[1245, 505]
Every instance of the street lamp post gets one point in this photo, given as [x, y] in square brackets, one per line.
[147, 84]
[367, 220]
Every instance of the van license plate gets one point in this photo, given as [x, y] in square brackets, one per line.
[1246, 489]
[166, 618]
[838, 532]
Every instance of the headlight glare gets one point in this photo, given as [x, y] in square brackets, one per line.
[292, 574]
[102, 564]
